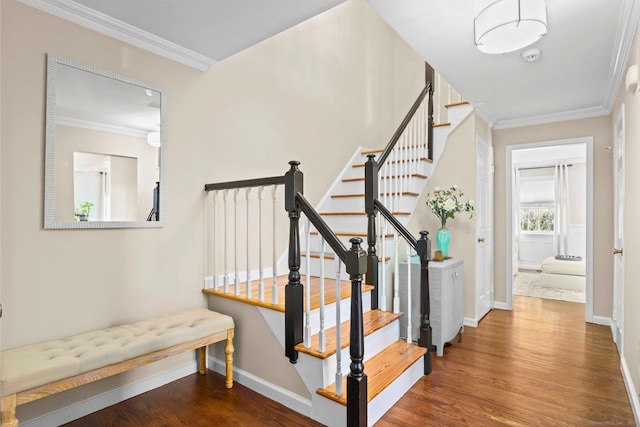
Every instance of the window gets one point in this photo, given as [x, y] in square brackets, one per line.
[537, 218]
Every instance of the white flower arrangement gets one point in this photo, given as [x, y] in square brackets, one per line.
[446, 203]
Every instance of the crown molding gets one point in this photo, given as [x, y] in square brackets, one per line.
[104, 24]
[627, 26]
[552, 118]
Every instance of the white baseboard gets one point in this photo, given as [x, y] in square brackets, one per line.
[470, 322]
[265, 388]
[631, 391]
[101, 401]
[501, 305]
[600, 320]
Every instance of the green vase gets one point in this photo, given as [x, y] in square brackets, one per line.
[443, 237]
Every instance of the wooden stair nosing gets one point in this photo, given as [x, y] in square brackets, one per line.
[413, 175]
[331, 256]
[403, 193]
[330, 295]
[456, 104]
[373, 321]
[343, 234]
[357, 213]
[381, 370]
[442, 125]
[421, 159]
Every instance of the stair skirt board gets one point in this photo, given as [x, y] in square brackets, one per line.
[333, 414]
[274, 392]
[320, 373]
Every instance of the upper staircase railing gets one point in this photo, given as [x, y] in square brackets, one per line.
[400, 159]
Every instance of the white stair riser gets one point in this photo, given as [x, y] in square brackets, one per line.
[330, 313]
[332, 414]
[415, 185]
[316, 246]
[325, 369]
[404, 203]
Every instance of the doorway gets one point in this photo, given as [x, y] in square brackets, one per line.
[550, 221]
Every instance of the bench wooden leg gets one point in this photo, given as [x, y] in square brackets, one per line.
[228, 351]
[8, 408]
[202, 359]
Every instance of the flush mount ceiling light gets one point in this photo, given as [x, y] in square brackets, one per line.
[508, 25]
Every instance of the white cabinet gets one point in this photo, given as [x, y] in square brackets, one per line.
[446, 286]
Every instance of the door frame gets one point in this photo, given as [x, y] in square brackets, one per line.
[510, 177]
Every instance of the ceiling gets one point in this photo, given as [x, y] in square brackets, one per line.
[583, 55]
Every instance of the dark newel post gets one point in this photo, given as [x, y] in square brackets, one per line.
[356, 265]
[370, 196]
[293, 291]
[430, 80]
[423, 247]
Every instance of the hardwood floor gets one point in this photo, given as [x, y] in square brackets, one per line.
[540, 365]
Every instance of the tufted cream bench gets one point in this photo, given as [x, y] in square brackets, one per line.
[34, 371]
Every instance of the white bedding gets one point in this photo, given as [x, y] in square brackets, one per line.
[561, 274]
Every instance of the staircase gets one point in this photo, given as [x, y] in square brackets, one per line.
[324, 351]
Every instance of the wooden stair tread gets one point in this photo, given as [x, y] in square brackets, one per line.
[381, 370]
[455, 104]
[332, 256]
[413, 175]
[343, 234]
[404, 193]
[421, 159]
[441, 125]
[329, 297]
[358, 213]
[373, 320]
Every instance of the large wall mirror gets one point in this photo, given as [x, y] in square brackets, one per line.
[105, 145]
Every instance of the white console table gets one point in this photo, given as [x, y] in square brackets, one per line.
[446, 286]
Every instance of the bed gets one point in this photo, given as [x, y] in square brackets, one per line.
[563, 274]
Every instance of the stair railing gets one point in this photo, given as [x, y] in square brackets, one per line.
[355, 260]
[385, 185]
[227, 196]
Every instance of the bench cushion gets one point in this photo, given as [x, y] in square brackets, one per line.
[30, 366]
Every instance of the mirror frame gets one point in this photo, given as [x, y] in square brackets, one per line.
[50, 148]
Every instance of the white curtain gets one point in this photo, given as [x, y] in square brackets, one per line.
[561, 221]
[106, 196]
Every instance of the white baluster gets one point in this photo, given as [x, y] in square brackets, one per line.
[274, 285]
[248, 265]
[307, 288]
[338, 337]
[449, 94]
[383, 274]
[260, 267]
[215, 241]
[323, 345]
[396, 275]
[408, 313]
[226, 278]
[236, 281]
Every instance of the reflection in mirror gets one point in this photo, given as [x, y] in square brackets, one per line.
[104, 149]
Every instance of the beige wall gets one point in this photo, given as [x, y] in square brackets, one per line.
[460, 150]
[631, 226]
[600, 129]
[313, 93]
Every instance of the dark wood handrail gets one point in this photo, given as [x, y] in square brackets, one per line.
[256, 182]
[396, 224]
[403, 125]
[322, 227]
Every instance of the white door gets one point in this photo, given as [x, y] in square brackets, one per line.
[484, 227]
[618, 243]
